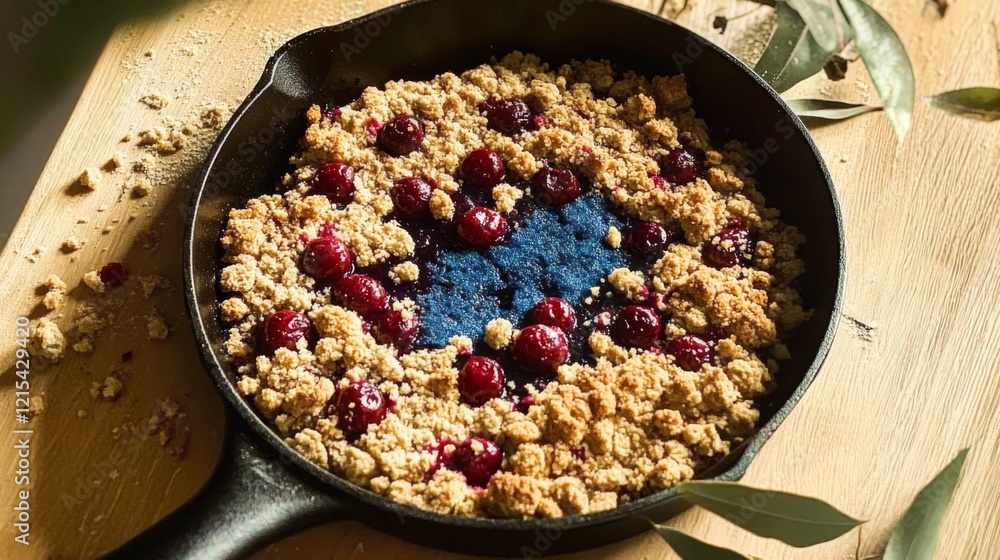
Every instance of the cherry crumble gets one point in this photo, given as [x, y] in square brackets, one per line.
[516, 292]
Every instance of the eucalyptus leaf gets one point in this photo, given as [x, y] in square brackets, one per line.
[916, 536]
[690, 548]
[792, 54]
[887, 62]
[829, 109]
[818, 16]
[790, 518]
[980, 103]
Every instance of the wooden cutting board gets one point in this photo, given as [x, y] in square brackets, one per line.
[912, 377]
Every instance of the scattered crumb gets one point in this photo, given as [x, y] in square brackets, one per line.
[108, 390]
[116, 162]
[81, 413]
[405, 272]
[498, 333]
[170, 425]
[614, 238]
[47, 341]
[91, 178]
[36, 255]
[154, 101]
[36, 405]
[72, 244]
[56, 294]
[142, 188]
[93, 280]
[157, 327]
[84, 346]
[152, 284]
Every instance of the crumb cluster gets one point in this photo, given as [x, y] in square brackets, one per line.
[604, 431]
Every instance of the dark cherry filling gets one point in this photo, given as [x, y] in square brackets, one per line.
[541, 348]
[480, 380]
[358, 406]
[483, 168]
[555, 187]
[731, 247]
[554, 312]
[113, 275]
[681, 167]
[361, 294]
[284, 329]
[690, 352]
[327, 260]
[482, 227]
[335, 181]
[401, 136]
[508, 116]
[477, 458]
[392, 328]
[637, 327]
[411, 196]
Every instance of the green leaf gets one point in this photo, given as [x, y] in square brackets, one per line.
[792, 54]
[887, 62]
[792, 519]
[916, 536]
[980, 103]
[829, 109]
[690, 548]
[819, 18]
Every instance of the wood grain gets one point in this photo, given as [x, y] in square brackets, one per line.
[883, 417]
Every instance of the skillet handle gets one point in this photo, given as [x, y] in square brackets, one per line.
[250, 501]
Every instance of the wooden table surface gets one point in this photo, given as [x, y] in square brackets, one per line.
[911, 379]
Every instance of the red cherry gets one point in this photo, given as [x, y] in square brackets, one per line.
[481, 227]
[541, 348]
[327, 260]
[555, 187]
[336, 181]
[690, 352]
[650, 240]
[476, 458]
[401, 136]
[483, 168]
[681, 167]
[362, 294]
[113, 275]
[358, 406]
[480, 380]
[411, 196]
[731, 247]
[554, 312]
[508, 116]
[637, 327]
[284, 329]
[392, 328]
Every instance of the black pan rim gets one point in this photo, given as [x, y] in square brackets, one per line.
[329, 481]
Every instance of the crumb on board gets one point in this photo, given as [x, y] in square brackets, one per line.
[157, 327]
[46, 340]
[109, 389]
[155, 101]
[55, 294]
[91, 178]
[72, 244]
[93, 281]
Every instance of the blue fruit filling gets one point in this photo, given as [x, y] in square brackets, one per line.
[554, 253]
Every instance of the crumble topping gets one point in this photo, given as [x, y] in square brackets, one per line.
[612, 423]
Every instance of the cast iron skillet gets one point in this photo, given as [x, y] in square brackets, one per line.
[263, 490]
